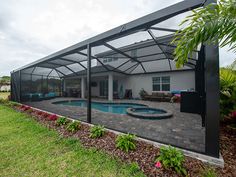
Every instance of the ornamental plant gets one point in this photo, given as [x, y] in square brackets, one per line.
[73, 126]
[126, 142]
[52, 117]
[227, 90]
[208, 172]
[142, 93]
[24, 108]
[45, 115]
[211, 24]
[173, 158]
[40, 113]
[61, 121]
[233, 118]
[97, 131]
[30, 110]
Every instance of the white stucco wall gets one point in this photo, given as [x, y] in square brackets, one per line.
[178, 81]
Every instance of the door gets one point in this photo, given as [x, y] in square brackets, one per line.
[103, 88]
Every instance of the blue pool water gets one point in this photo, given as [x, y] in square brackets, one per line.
[116, 108]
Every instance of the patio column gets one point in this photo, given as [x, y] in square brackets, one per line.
[82, 87]
[110, 87]
[64, 85]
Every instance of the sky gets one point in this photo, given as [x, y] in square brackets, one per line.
[30, 29]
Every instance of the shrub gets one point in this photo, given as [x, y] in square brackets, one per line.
[170, 157]
[126, 142]
[97, 131]
[52, 117]
[208, 172]
[61, 121]
[73, 126]
[227, 90]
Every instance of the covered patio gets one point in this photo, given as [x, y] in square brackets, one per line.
[195, 121]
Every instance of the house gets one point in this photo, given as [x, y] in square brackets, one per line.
[5, 88]
[117, 73]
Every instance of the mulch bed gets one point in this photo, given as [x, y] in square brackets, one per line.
[145, 154]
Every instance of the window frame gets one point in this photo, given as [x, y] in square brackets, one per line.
[159, 83]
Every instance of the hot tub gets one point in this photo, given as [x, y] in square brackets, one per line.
[149, 113]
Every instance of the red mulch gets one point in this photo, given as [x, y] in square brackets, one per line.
[145, 154]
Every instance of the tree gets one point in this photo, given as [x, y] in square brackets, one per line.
[212, 24]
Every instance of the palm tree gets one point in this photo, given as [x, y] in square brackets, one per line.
[214, 23]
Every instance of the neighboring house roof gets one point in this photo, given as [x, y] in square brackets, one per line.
[165, 40]
[95, 69]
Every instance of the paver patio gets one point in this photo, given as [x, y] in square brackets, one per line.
[183, 129]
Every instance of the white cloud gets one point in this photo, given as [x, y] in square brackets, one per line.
[30, 29]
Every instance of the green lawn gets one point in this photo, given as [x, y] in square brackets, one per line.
[4, 95]
[29, 149]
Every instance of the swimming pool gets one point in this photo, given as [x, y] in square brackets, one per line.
[116, 108]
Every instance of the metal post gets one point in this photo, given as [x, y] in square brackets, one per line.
[212, 97]
[89, 83]
[19, 86]
[11, 93]
[212, 100]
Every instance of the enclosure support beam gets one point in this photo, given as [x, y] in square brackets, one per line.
[82, 84]
[20, 86]
[212, 100]
[93, 57]
[123, 53]
[59, 72]
[155, 40]
[110, 87]
[65, 59]
[89, 83]
[164, 29]
[212, 97]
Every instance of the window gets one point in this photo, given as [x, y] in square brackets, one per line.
[165, 83]
[156, 83]
[161, 83]
[110, 58]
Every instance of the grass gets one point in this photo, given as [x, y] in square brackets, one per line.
[4, 95]
[30, 149]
